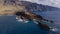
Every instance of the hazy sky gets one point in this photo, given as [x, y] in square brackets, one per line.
[55, 3]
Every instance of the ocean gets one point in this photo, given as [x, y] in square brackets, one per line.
[9, 24]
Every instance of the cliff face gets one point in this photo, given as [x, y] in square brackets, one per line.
[12, 6]
[8, 7]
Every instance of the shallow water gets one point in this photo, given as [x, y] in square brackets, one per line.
[9, 25]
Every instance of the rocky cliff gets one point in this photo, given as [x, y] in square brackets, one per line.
[8, 7]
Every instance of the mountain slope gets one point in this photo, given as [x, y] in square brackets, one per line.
[38, 7]
[31, 6]
[15, 5]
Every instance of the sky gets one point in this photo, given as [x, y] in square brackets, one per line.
[54, 3]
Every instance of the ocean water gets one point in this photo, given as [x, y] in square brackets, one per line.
[9, 25]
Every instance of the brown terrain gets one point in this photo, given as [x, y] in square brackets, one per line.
[8, 9]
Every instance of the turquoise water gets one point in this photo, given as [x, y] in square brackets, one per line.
[9, 24]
